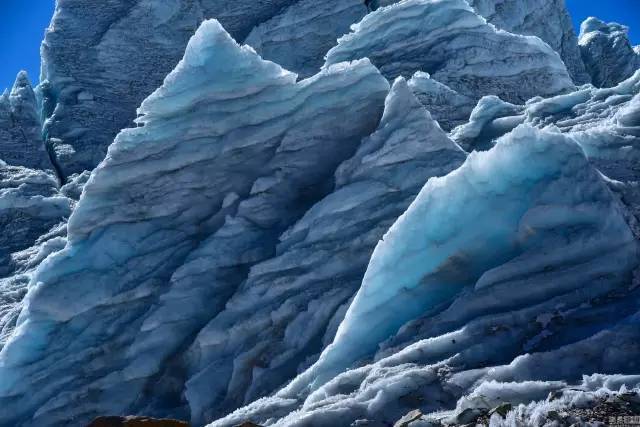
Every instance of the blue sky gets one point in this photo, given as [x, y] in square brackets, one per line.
[24, 22]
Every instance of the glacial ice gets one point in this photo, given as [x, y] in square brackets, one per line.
[32, 213]
[609, 56]
[605, 122]
[448, 40]
[299, 37]
[100, 62]
[20, 140]
[283, 312]
[447, 106]
[226, 177]
[444, 317]
[216, 252]
[547, 19]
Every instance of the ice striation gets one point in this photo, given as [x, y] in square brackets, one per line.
[448, 40]
[547, 19]
[609, 56]
[447, 106]
[101, 60]
[231, 151]
[232, 246]
[287, 310]
[302, 34]
[491, 287]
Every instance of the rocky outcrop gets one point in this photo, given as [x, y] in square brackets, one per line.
[609, 56]
[136, 422]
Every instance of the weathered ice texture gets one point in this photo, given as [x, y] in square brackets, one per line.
[491, 287]
[279, 229]
[30, 205]
[609, 56]
[447, 106]
[605, 122]
[231, 151]
[287, 310]
[32, 217]
[299, 38]
[448, 40]
[20, 135]
[547, 19]
[100, 60]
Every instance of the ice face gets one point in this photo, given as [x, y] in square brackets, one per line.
[224, 123]
[447, 39]
[603, 121]
[101, 60]
[287, 309]
[20, 140]
[487, 284]
[447, 106]
[299, 37]
[609, 56]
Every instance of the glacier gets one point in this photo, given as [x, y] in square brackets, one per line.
[604, 121]
[319, 261]
[20, 140]
[358, 213]
[444, 316]
[547, 19]
[106, 59]
[607, 52]
[122, 253]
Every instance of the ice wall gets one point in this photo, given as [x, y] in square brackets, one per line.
[609, 56]
[493, 279]
[231, 150]
[448, 40]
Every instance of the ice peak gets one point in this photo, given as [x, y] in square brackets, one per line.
[214, 61]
